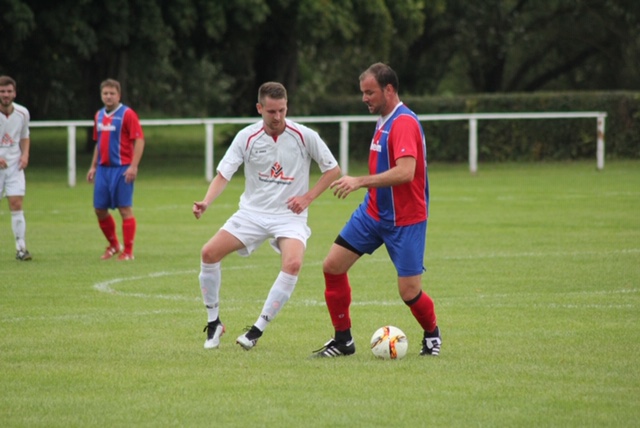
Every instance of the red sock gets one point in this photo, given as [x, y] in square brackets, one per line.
[423, 310]
[128, 233]
[337, 294]
[108, 226]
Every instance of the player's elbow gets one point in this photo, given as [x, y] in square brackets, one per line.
[406, 176]
[405, 169]
[335, 173]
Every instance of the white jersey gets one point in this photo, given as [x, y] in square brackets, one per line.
[275, 169]
[13, 128]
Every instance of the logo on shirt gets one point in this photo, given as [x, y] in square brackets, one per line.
[276, 175]
[7, 140]
[375, 146]
[109, 127]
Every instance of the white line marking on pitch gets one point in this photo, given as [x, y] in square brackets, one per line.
[106, 286]
[532, 254]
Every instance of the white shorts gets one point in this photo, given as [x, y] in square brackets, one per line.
[12, 181]
[252, 230]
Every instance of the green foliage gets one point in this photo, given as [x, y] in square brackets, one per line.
[536, 292]
[17, 24]
[195, 58]
[512, 46]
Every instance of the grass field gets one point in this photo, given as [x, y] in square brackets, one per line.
[534, 268]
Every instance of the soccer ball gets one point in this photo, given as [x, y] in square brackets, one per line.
[389, 343]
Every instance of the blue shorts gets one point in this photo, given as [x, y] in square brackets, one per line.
[405, 244]
[110, 189]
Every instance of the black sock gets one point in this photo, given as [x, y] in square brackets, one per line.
[343, 336]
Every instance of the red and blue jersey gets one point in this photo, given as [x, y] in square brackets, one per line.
[399, 136]
[115, 133]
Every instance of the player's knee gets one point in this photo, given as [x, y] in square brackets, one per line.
[409, 291]
[292, 266]
[331, 267]
[15, 205]
[208, 254]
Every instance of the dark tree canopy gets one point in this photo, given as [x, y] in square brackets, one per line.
[207, 58]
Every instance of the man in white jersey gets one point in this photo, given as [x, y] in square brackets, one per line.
[276, 154]
[14, 158]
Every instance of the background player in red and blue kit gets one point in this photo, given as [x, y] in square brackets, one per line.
[114, 168]
[394, 213]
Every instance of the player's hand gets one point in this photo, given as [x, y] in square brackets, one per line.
[298, 204]
[199, 208]
[344, 185]
[3, 163]
[130, 174]
[24, 161]
[91, 175]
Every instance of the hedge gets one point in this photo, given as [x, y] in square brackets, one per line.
[507, 140]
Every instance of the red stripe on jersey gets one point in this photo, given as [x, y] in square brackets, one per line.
[292, 129]
[251, 137]
[115, 134]
[404, 204]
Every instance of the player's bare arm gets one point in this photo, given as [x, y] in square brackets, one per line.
[91, 174]
[216, 187]
[298, 204]
[25, 143]
[402, 173]
[132, 172]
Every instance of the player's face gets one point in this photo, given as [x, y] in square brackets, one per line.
[373, 95]
[7, 95]
[273, 114]
[110, 97]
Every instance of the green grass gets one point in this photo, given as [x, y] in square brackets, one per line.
[535, 270]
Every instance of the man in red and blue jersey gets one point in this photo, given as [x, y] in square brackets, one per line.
[394, 213]
[114, 168]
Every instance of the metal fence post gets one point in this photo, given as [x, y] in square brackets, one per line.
[473, 145]
[71, 155]
[208, 152]
[344, 146]
[600, 144]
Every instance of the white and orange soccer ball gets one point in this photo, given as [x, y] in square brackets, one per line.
[389, 343]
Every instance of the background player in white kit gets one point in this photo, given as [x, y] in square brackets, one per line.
[14, 158]
[277, 155]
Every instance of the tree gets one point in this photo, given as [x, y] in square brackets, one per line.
[522, 45]
[207, 58]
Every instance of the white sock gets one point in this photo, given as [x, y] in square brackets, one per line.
[279, 294]
[210, 278]
[19, 227]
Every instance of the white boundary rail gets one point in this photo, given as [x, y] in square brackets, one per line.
[343, 121]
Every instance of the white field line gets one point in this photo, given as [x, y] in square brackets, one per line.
[108, 286]
[90, 318]
[533, 254]
[233, 304]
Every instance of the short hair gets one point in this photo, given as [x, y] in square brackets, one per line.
[383, 74]
[274, 90]
[6, 81]
[112, 83]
